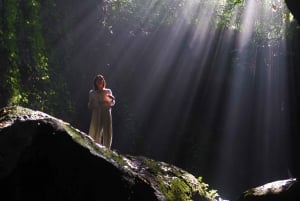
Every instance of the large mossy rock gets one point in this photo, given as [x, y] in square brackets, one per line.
[44, 158]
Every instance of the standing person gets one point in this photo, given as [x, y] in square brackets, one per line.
[100, 103]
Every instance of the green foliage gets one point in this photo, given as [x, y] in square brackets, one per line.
[178, 190]
[181, 189]
[146, 17]
[25, 69]
[26, 78]
[34, 66]
[53, 15]
[266, 29]
[205, 191]
[10, 51]
[141, 16]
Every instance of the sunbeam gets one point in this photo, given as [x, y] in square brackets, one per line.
[210, 86]
[202, 84]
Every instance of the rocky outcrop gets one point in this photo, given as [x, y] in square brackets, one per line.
[45, 158]
[288, 189]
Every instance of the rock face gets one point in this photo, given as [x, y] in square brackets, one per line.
[288, 190]
[45, 158]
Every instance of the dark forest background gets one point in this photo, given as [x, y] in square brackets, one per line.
[51, 50]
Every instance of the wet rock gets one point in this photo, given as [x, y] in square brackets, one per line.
[282, 190]
[45, 158]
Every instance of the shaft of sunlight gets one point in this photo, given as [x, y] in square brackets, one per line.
[255, 137]
[203, 89]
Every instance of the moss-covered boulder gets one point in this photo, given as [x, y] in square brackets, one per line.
[45, 158]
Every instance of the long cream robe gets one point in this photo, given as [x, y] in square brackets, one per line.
[100, 103]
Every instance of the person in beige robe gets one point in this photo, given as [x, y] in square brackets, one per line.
[100, 103]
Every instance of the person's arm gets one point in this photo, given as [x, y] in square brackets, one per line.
[111, 98]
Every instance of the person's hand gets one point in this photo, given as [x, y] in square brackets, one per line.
[108, 100]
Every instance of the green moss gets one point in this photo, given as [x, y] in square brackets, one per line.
[177, 190]
[205, 191]
[177, 184]
[180, 189]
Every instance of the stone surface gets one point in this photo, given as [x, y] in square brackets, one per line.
[281, 190]
[45, 158]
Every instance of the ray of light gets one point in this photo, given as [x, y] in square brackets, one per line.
[224, 89]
